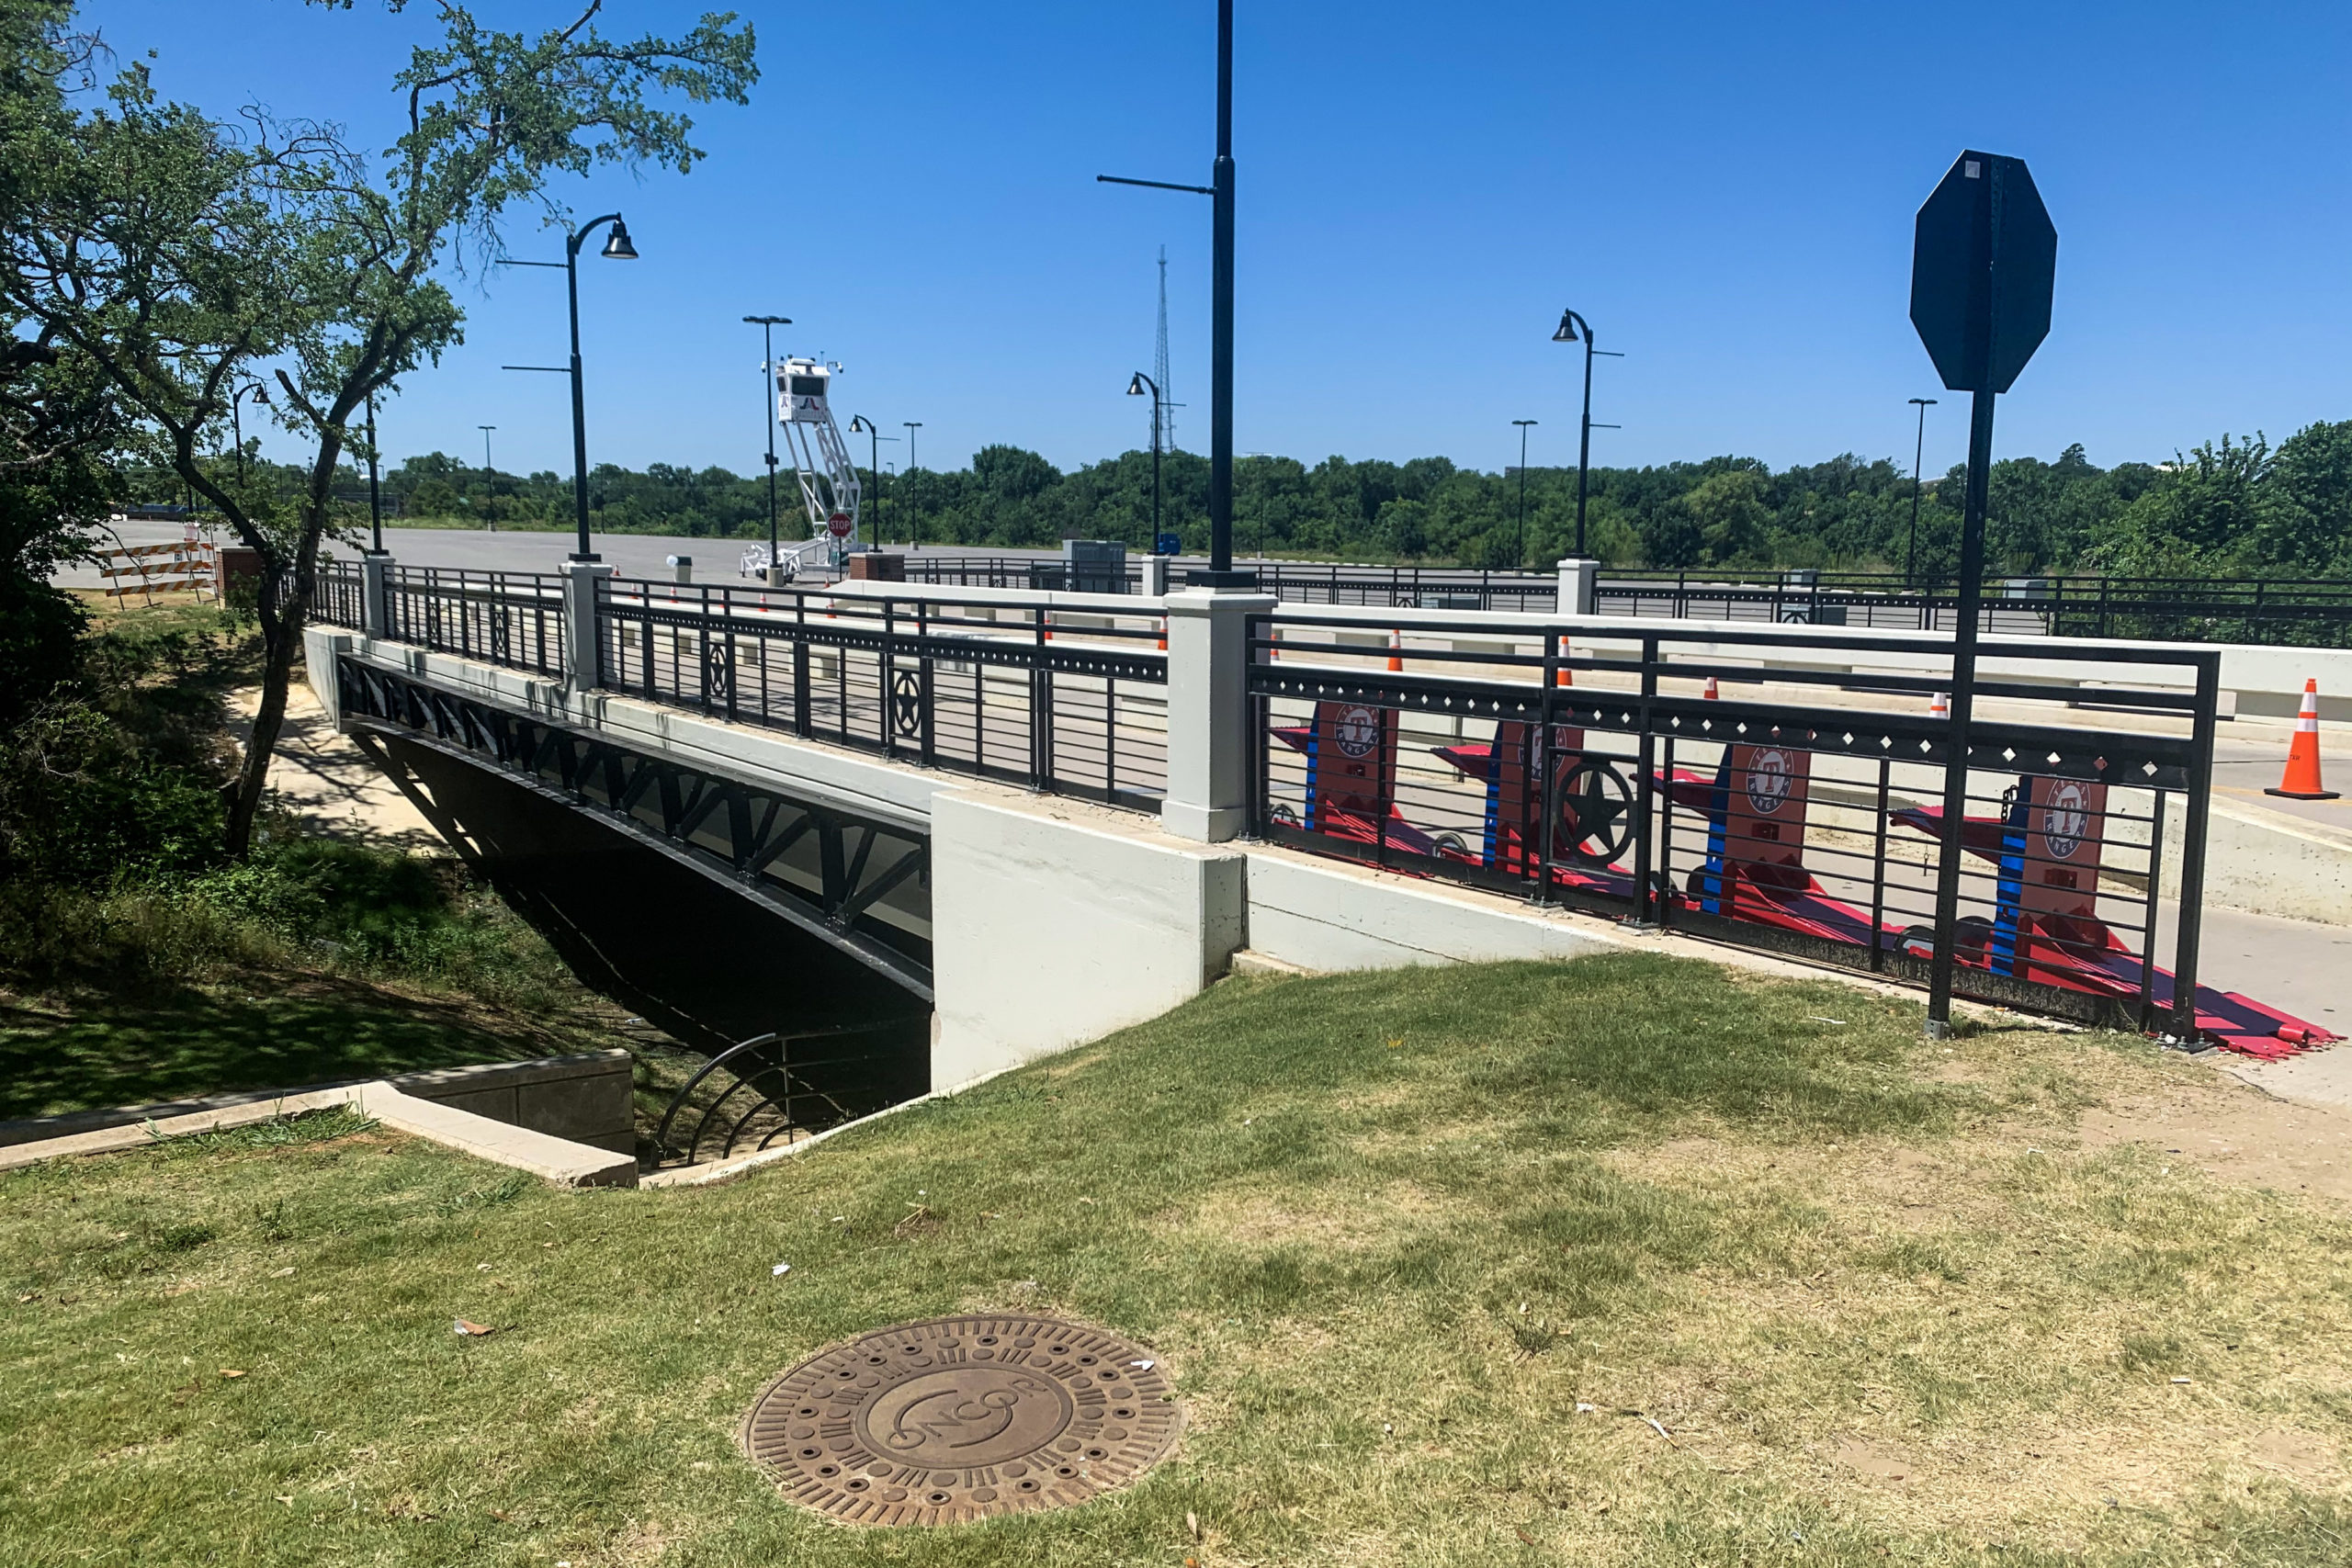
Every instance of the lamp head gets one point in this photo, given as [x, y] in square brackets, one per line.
[1134, 388]
[261, 394]
[769, 321]
[859, 424]
[616, 245]
[1570, 321]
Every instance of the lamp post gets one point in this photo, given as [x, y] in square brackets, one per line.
[1524, 425]
[1571, 326]
[260, 395]
[1219, 190]
[1911, 555]
[914, 507]
[616, 248]
[375, 489]
[1136, 390]
[488, 479]
[874, 439]
[767, 325]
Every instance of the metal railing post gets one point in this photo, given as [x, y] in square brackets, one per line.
[2192, 849]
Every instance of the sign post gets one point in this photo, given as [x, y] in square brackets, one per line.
[1983, 265]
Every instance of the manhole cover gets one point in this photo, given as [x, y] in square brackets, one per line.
[959, 1418]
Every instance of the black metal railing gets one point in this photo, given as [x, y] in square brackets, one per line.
[781, 1088]
[1065, 699]
[338, 595]
[514, 618]
[1034, 573]
[1799, 810]
[2309, 612]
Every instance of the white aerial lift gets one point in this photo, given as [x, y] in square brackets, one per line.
[829, 487]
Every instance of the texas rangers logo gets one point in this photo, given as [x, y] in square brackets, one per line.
[1357, 732]
[1768, 776]
[2065, 820]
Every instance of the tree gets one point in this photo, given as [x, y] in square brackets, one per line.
[181, 255]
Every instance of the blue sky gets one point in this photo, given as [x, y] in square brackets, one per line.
[1725, 189]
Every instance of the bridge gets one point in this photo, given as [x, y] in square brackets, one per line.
[902, 836]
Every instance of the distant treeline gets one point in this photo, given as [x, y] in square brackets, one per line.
[2230, 508]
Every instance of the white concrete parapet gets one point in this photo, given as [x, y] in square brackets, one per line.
[1208, 713]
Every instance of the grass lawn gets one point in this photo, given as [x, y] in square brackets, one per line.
[297, 1030]
[1625, 1261]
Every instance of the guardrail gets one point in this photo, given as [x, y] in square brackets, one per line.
[1067, 701]
[514, 618]
[1799, 811]
[1039, 573]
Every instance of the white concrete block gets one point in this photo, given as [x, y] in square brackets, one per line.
[1321, 915]
[1052, 929]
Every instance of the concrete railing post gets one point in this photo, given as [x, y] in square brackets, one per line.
[374, 605]
[580, 652]
[1155, 576]
[1208, 713]
[1579, 585]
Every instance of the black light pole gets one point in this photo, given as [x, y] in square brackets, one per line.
[914, 506]
[489, 477]
[260, 395]
[1136, 390]
[857, 423]
[374, 490]
[1523, 425]
[616, 248]
[1220, 192]
[1571, 325]
[767, 325]
[1911, 556]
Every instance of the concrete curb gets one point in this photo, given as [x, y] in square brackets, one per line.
[556, 1160]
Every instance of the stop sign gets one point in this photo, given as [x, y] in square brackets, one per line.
[840, 525]
[1984, 260]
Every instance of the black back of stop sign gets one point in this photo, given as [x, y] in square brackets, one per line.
[1983, 265]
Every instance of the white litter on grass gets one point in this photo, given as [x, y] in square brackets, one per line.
[1839, 1021]
[1584, 1409]
[1146, 1366]
[780, 1269]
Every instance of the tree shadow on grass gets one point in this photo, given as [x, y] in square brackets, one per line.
[109, 1051]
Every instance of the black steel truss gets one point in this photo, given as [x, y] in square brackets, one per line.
[860, 858]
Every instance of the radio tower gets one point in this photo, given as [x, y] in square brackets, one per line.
[1159, 362]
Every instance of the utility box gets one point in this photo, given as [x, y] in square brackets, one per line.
[683, 566]
[873, 566]
[1094, 566]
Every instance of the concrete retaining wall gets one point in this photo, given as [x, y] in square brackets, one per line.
[1056, 923]
[1320, 914]
[588, 1098]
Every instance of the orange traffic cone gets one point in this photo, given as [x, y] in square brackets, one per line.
[1711, 693]
[1163, 634]
[1395, 648]
[2302, 781]
[1564, 676]
[1940, 706]
[1274, 654]
[1046, 625]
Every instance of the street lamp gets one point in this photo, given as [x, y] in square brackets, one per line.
[1220, 572]
[858, 422]
[1911, 555]
[616, 248]
[488, 479]
[260, 395]
[767, 325]
[914, 507]
[1524, 425]
[1571, 324]
[1136, 390]
[375, 489]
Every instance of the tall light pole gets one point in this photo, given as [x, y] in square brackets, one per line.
[489, 477]
[1571, 326]
[857, 423]
[1911, 555]
[1219, 189]
[374, 490]
[260, 395]
[616, 248]
[914, 506]
[1524, 425]
[767, 325]
[1136, 390]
